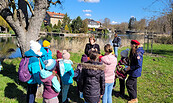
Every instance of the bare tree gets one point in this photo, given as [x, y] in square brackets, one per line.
[106, 22]
[16, 15]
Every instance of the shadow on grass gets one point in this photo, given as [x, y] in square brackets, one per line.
[74, 95]
[162, 52]
[10, 71]
[116, 94]
[12, 92]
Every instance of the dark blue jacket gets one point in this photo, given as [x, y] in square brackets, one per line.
[136, 64]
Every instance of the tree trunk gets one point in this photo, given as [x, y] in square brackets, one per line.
[25, 30]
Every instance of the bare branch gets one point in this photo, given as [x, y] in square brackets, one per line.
[30, 7]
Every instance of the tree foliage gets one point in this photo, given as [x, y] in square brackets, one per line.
[66, 20]
[76, 24]
[132, 23]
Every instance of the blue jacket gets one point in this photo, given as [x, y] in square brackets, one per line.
[136, 64]
[46, 55]
[34, 67]
[66, 71]
[55, 83]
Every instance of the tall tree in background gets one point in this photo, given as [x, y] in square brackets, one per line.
[59, 24]
[66, 20]
[15, 12]
[76, 24]
[106, 22]
[132, 21]
[85, 26]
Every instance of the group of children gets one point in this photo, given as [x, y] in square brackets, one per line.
[95, 76]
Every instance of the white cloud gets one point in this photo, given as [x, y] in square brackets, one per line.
[91, 1]
[132, 16]
[114, 22]
[88, 15]
[87, 10]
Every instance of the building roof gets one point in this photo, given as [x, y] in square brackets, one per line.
[55, 15]
[98, 21]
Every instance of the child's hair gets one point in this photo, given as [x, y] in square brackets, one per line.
[108, 48]
[92, 37]
[93, 56]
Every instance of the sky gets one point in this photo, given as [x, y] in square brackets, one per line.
[117, 11]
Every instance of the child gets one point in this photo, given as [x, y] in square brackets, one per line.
[47, 53]
[92, 79]
[51, 84]
[121, 72]
[66, 73]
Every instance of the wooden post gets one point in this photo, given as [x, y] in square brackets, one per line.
[151, 43]
[147, 43]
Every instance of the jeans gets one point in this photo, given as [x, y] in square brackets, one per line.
[116, 51]
[31, 92]
[65, 89]
[107, 97]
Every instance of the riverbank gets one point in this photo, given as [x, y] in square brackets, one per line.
[155, 84]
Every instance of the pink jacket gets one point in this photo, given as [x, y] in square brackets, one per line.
[110, 61]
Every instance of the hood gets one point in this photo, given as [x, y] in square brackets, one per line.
[92, 70]
[140, 50]
[30, 53]
[109, 59]
[93, 66]
[44, 73]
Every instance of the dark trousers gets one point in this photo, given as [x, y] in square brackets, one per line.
[31, 92]
[122, 86]
[131, 85]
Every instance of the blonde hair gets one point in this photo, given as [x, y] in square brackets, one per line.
[108, 48]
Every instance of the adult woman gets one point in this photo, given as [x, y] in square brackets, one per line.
[92, 46]
[34, 67]
[134, 70]
[110, 61]
[116, 43]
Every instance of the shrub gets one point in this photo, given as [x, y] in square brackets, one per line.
[164, 40]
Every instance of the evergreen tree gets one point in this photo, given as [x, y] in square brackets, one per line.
[59, 24]
[85, 26]
[131, 24]
[76, 24]
[66, 20]
[66, 27]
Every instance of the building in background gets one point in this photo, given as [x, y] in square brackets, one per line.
[53, 18]
[94, 24]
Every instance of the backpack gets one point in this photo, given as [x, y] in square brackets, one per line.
[23, 72]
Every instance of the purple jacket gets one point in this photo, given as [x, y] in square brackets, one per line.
[48, 91]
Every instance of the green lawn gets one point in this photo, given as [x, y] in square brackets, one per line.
[154, 86]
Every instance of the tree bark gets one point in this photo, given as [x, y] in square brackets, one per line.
[25, 29]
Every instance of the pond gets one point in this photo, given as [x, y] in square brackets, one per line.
[9, 49]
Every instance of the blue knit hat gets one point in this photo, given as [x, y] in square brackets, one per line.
[50, 64]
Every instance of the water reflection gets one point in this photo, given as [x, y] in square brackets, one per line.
[9, 49]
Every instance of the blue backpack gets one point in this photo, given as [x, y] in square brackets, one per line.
[23, 72]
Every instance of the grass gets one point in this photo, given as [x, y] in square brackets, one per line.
[154, 86]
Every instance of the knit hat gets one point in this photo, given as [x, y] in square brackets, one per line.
[46, 43]
[125, 53]
[65, 55]
[35, 46]
[135, 42]
[50, 64]
[58, 54]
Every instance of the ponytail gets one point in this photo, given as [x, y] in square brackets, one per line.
[108, 48]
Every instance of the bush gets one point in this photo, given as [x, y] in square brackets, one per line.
[164, 40]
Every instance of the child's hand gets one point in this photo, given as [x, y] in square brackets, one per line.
[128, 68]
